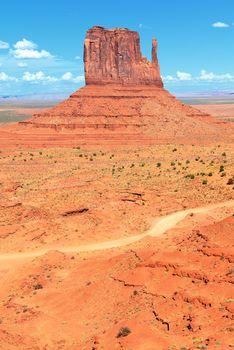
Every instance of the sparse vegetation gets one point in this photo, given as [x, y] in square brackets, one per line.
[123, 332]
[38, 286]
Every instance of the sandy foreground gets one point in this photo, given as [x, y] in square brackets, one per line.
[122, 247]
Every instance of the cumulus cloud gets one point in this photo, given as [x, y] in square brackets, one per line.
[22, 64]
[4, 45]
[204, 76]
[28, 53]
[210, 76]
[25, 44]
[220, 25]
[169, 78]
[41, 77]
[183, 75]
[38, 77]
[69, 77]
[25, 49]
[6, 77]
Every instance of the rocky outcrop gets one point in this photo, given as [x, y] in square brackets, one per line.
[113, 56]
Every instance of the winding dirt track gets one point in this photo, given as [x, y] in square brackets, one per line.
[162, 225]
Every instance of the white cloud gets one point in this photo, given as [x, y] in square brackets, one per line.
[140, 25]
[210, 76]
[38, 77]
[6, 77]
[22, 64]
[25, 44]
[28, 49]
[69, 77]
[204, 76]
[220, 25]
[28, 53]
[183, 76]
[41, 77]
[77, 58]
[169, 78]
[4, 45]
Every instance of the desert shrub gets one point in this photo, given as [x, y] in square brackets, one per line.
[123, 332]
[210, 174]
[190, 176]
[38, 286]
[158, 165]
[223, 174]
[221, 168]
[204, 182]
[230, 181]
[224, 154]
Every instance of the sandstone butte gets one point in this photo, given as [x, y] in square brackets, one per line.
[123, 102]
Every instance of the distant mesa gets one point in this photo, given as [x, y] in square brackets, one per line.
[124, 100]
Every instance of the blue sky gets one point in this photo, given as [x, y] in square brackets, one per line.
[41, 42]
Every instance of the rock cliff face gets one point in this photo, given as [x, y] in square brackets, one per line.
[113, 56]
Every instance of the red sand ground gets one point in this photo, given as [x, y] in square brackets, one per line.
[170, 292]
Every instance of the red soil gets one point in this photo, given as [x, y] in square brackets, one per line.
[172, 292]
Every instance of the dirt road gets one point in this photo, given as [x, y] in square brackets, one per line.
[160, 226]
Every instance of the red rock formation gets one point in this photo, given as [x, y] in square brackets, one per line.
[113, 56]
[125, 94]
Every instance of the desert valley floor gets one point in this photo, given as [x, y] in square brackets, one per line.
[91, 257]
